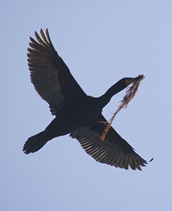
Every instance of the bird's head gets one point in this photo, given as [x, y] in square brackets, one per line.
[124, 82]
[128, 81]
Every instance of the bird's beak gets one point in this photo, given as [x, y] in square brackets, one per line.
[139, 77]
[128, 81]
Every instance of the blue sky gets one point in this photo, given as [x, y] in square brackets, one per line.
[101, 42]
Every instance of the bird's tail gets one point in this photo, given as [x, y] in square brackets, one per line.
[35, 142]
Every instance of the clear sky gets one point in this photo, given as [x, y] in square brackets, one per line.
[101, 42]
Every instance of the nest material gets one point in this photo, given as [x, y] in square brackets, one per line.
[130, 94]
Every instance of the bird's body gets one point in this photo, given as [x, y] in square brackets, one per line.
[75, 113]
[76, 116]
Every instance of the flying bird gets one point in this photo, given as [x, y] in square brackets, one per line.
[75, 112]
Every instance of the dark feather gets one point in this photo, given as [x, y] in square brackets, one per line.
[50, 75]
[114, 150]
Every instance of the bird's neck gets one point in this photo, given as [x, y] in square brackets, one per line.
[105, 98]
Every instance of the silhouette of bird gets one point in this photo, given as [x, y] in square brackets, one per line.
[75, 112]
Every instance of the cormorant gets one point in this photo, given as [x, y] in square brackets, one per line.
[75, 112]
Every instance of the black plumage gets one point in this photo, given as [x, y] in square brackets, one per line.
[75, 112]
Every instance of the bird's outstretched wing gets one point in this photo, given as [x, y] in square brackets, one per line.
[50, 75]
[113, 150]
